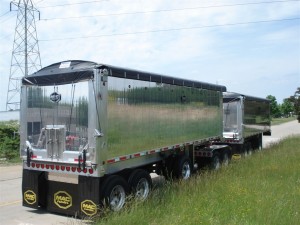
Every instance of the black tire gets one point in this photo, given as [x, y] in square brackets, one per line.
[114, 191]
[226, 158]
[244, 153]
[249, 150]
[140, 184]
[215, 162]
[184, 168]
[167, 168]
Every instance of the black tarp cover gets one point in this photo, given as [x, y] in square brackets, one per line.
[77, 70]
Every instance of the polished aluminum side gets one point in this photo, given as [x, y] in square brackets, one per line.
[145, 115]
[245, 116]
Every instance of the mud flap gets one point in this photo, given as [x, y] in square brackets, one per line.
[81, 200]
[34, 188]
[89, 196]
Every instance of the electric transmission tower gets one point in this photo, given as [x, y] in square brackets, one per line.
[25, 57]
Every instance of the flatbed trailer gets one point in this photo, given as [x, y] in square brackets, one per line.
[91, 134]
[246, 120]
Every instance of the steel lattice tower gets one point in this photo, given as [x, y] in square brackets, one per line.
[25, 55]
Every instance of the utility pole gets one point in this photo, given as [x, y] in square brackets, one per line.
[25, 57]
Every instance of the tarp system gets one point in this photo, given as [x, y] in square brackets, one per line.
[75, 71]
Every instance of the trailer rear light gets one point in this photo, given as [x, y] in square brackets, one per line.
[73, 169]
[91, 171]
[57, 167]
[78, 170]
[63, 168]
[38, 165]
[32, 165]
[76, 160]
[85, 170]
[52, 167]
[68, 168]
[47, 166]
[42, 166]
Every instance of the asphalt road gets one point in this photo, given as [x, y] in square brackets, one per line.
[282, 131]
[13, 213]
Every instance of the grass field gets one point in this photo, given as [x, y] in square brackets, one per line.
[261, 189]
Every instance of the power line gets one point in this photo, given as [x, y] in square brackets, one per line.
[69, 4]
[4, 14]
[169, 10]
[171, 29]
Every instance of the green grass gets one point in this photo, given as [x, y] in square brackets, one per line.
[262, 189]
[277, 121]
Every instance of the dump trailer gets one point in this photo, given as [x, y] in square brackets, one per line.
[245, 120]
[91, 134]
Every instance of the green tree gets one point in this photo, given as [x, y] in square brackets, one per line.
[295, 99]
[9, 140]
[275, 109]
[287, 107]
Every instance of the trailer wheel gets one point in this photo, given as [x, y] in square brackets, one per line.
[140, 183]
[184, 170]
[245, 151]
[225, 158]
[115, 189]
[216, 162]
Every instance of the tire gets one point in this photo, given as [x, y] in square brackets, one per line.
[115, 189]
[140, 184]
[225, 159]
[250, 150]
[216, 162]
[245, 151]
[184, 170]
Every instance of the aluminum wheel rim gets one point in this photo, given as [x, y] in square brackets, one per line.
[226, 160]
[186, 170]
[142, 189]
[217, 164]
[117, 198]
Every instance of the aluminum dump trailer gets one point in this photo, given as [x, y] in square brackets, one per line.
[245, 120]
[91, 134]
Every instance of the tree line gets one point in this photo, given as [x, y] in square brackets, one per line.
[289, 107]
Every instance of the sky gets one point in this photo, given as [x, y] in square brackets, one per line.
[250, 46]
